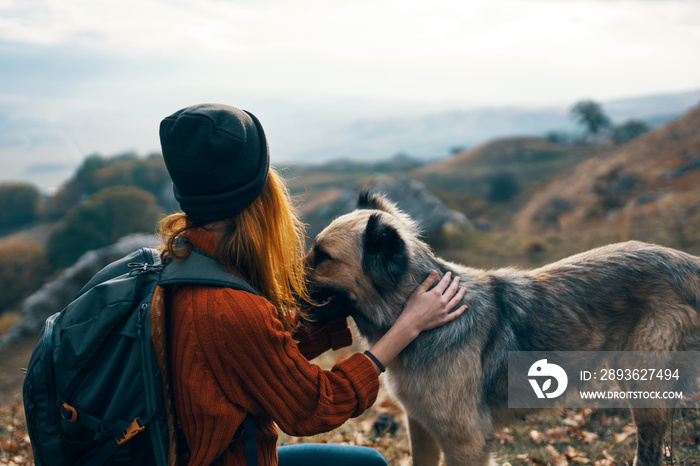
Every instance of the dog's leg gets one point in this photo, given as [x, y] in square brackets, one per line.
[652, 424]
[424, 448]
[468, 454]
[467, 445]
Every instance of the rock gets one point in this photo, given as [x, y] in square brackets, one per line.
[482, 225]
[414, 198]
[54, 296]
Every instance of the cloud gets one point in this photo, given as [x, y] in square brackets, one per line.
[101, 74]
[499, 51]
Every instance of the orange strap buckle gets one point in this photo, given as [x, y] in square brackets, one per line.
[133, 429]
[72, 413]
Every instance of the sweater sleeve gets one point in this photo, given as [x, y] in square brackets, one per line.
[241, 333]
[316, 340]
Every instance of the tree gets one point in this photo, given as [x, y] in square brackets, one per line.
[590, 114]
[629, 130]
[20, 203]
[100, 221]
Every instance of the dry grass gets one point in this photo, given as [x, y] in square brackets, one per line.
[631, 176]
[557, 437]
[7, 321]
[37, 233]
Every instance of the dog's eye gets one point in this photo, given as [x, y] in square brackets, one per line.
[320, 257]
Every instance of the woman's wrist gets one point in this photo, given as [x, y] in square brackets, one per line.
[377, 363]
[405, 328]
[391, 344]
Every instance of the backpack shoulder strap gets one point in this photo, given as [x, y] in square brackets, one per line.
[203, 269]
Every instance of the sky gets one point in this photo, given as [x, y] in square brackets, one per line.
[83, 76]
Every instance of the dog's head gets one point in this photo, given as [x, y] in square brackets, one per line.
[363, 264]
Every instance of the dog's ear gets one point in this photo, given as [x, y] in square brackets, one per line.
[369, 199]
[384, 258]
[372, 200]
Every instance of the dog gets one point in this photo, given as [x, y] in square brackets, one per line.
[452, 380]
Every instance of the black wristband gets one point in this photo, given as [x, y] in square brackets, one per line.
[374, 359]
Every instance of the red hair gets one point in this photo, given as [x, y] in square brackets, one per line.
[264, 244]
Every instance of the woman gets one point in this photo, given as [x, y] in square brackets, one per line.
[235, 353]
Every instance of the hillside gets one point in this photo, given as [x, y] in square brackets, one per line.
[653, 179]
[530, 186]
[473, 181]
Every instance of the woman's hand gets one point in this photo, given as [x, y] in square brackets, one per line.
[425, 309]
[428, 308]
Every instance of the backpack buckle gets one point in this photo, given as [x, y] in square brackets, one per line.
[72, 414]
[133, 429]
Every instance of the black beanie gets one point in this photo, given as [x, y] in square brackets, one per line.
[217, 157]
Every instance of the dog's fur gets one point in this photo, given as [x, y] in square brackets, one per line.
[452, 380]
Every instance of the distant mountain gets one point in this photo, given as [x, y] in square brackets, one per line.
[653, 106]
[46, 152]
[435, 135]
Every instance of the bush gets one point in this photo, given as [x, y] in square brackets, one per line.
[23, 268]
[558, 137]
[615, 188]
[502, 186]
[100, 221]
[549, 214]
[97, 173]
[21, 204]
[629, 130]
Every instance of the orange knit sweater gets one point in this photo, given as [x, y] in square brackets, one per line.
[231, 355]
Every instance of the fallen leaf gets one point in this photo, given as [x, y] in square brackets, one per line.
[504, 436]
[536, 437]
[387, 405]
[628, 430]
[587, 437]
[576, 456]
[559, 459]
[603, 462]
[607, 460]
[558, 435]
[9, 446]
[575, 419]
